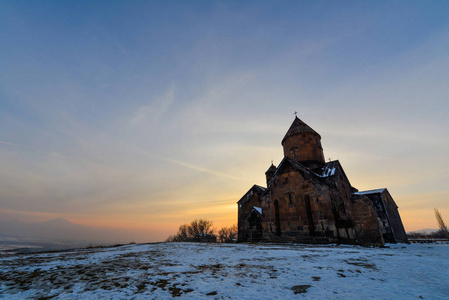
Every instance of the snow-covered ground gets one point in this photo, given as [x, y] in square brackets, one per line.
[237, 271]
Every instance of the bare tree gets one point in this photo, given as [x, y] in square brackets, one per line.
[443, 228]
[200, 227]
[197, 231]
[183, 233]
[228, 234]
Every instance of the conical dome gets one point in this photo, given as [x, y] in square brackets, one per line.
[302, 143]
[298, 127]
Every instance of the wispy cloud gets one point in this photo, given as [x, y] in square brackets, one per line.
[201, 169]
[52, 153]
[9, 143]
[153, 111]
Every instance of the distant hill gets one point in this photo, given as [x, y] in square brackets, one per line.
[55, 233]
[55, 229]
[48, 235]
[62, 231]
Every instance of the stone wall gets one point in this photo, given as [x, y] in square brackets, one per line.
[304, 210]
[394, 218]
[366, 224]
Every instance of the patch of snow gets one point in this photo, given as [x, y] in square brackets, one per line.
[258, 209]
[328, 171]
[236, 271]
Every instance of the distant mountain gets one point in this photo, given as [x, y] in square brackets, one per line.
[425, 231]
[59, 222]
[60, 230]
[53, 229]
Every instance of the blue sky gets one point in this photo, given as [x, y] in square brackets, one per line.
[147, 114]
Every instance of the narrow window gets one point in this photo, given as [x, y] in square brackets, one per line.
[278, 221]
[309, 215]
[293, 151]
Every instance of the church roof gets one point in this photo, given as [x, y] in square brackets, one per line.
[298, 127]
[296, 165]
[332, 168]
[254, 189]
[329, 168]
[377, 191]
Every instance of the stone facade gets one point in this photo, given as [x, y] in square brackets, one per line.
[310, 201]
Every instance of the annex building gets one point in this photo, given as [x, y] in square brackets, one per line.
[308, 200]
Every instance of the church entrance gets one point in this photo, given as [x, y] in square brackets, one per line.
[255, 226]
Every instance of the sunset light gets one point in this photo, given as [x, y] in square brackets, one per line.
[132, 118]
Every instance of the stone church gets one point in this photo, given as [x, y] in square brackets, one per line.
[308, 200]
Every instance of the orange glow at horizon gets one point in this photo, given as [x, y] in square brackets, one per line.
[146, 218]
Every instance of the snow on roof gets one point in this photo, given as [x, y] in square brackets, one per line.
[377, 191]
[328, 171]
[258, 209]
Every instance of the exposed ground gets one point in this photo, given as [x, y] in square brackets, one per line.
[219, 271]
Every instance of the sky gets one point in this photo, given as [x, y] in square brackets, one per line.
[139, 116]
